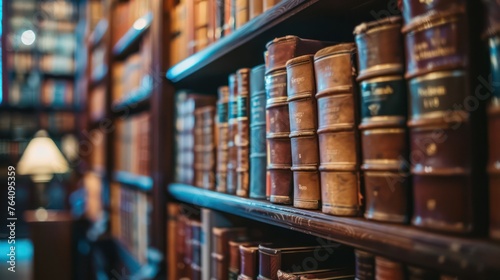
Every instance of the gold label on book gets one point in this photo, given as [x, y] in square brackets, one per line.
[431, 149]
[298, 80]
[298, 117]
[302, 187]
[431, 204]
[437, 46]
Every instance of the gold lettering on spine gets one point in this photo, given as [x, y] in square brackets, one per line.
[430, 96]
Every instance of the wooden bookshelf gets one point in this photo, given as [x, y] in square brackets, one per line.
[209, 67]
[97, 35]
[126, 44]
[477, 258]
[136, 101]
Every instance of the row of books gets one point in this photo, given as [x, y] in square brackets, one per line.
[211, 245]
[125, 14]
[11, 151]
[58, 122]
[197, 24]
[132, 77]
[18, 125]
[133, 144]
[26, 91]
[130, 220]
[337, 133]
[50, 63]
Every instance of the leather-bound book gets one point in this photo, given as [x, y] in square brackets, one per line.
[242, 139]
[268, 4]
[326, 274]
[222, 145]
[256, 8]
[440, 75]
[493, 36]
[249, 254]
[420, 9]
[337, 129]
[234, 267]
[276, 257]
[383, 119]
[303, 126]
[229, 21]
[205, 147]
[258, 155]
[279, 51]
[242, 12]
[232, 132]
[365, 265]
[418, 273]
[388, 270]
[220, 254]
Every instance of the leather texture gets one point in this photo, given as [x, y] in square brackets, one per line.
[232, 177]
[388, 270]
[258, 152]
[242, 139]
[365, 265]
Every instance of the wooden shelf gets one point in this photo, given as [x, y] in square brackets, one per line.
[130, 40]
[98, 34]
[332, 20]
[139, 182]
[37, 108]
[101, 75]
[135, 101]
[474, 258]
[54, 75]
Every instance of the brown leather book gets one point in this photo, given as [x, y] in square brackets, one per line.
[220, 253]
[330, 274]
[229, 21]
[242, 12]
[365, 265]
[222, 145]
[276, 257]
[419, 9]
[268, 4]
[256, 8]
[441, 74]
[303, 126]
[493, 35]
[234, 267]
[232, 133]
[205, 147]
[383, 119]
[279, 51]
[389, 270]
[242, 140]
[337, 129]
[249, 254]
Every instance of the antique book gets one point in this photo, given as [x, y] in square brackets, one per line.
[387, 269]
[229, 13]
[337, 129]
[256, 8]
[440, 75]
[258, 155]
[196, 249]
[303, 125]
[284, 257]
[365, 265]
[232, 111]
[493, 36]
[242, 139]
[420, 9]
[220, 253]
[234, 267]
[242, 12]
[249, 256]
[268, 4]
[279, 51]
[222, 144]
[330, 274]
[383, 119]
[205, 147]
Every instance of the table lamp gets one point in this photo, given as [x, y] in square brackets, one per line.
[41, 160]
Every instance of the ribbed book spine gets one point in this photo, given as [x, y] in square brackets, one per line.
[302, 110]
[242, 140]
[258, 133]
[232, 132]
[222, 143]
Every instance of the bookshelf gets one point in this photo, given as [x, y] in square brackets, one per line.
[204, 71]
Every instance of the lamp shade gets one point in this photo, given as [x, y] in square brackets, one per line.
[42, 159]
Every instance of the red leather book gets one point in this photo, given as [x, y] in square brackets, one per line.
[242, 140]
[220, 254]
[365, 265]
[222, 143]
[387, 269]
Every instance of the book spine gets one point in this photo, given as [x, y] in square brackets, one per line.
[268, 4]
[365, 265]
[278, 142]
[337, 130]
[387, 269]
[383, 121]
[232, 132]
[438, 74]
[303, 126]
[242, 140]
[242, 12]
[258, 156]
[229, 11]
[222, 144]
[268, 265]
[256, 8]
[249, 262]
